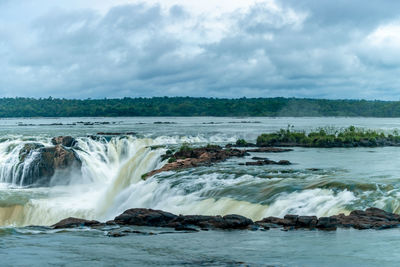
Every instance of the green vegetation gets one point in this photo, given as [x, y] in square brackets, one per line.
[349, 137]
[171, 159]
[241, 142]
[185, 148]
[187, 106]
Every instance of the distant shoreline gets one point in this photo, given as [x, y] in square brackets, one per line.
[195, 107]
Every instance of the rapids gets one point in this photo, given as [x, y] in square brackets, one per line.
[321, 182]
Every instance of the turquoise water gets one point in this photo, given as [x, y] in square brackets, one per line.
[320, 182]
[215, 248]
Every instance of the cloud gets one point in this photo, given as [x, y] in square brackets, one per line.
[324, 49]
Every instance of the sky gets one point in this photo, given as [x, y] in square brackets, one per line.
[229, 49]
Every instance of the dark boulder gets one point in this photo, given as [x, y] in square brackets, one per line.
[269, 150]
[266, 162]
[75, 222]
[307, 221]
[145, 217]
[327, 223]
[158, 218]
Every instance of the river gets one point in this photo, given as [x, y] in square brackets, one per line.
[321, 182]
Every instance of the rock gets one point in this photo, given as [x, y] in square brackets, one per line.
[27, 149]
[269, 150]
[183, 227]
[158, 218]
[307, 221]
[327, 223]
[145, 217]
[267, 162]
[37, 163]
[67, 141]
[372, 218]
[234, 221]
[56, 158]
[74, 222]
[193, 157]
[258, 158]
[104, 133]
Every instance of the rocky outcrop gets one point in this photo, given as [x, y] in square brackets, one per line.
[194, 157]
[75, 222]
[38, 164]
[158, 218]
[266, 162]
[371, 218]
[269, 150]
[56, 158]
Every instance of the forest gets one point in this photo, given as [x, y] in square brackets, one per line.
[190, 106]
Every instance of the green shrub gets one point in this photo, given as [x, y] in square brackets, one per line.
[171, 159]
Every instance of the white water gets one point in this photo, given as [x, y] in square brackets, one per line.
[110, 182]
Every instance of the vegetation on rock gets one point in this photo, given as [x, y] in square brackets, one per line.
[348, 137]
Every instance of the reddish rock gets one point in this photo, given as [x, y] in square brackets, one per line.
[194, 157]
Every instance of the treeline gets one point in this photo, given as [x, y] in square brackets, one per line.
[188, 106]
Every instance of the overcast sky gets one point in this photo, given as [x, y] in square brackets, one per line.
[252, 48]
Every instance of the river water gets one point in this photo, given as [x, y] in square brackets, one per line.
[321, 182]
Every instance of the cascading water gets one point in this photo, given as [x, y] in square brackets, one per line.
[107, 168]
[109, 182]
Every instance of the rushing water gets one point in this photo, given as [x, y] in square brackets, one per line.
[320, 182]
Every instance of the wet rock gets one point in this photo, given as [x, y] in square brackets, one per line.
[37, 163]
[104, 133]
[371, 218]
[234, 221]
[67, 141]
[307, 221]
[269, 150]
[56, 158]
[267, 162]
[327, 223]
[27, 149]
[194, 157]
[145, 217]
[75, 222]
[183, 227]
[258, 158]
[158, 218]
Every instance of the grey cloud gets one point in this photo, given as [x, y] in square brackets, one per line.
[131, 51]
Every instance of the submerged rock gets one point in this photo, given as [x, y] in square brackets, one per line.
[75, 222]
[269, 150]
[158, 218]
[266, 162]
[38, 164]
